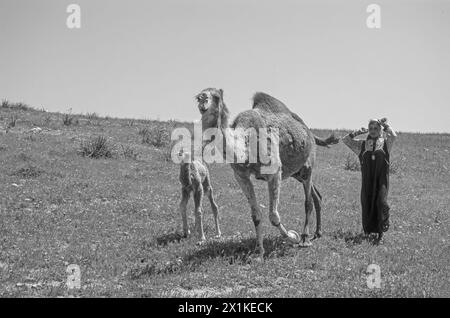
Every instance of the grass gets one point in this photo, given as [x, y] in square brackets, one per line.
[117, 218]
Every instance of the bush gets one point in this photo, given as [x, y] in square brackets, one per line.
[129, 152]
[12, 122]
[20, 106]
[69, 120]
[92, 115]
[167, 151]
[28, 171]
[395, 166]
[46, 121]
[352, 163]
[96, 147]
[157, 135]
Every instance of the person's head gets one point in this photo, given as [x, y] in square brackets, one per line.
[374, 128]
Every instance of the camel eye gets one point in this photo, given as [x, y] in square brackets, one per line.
[202, 98]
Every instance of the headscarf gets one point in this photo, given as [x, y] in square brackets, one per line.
[375, 121]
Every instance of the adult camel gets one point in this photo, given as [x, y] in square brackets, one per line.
[297, 152]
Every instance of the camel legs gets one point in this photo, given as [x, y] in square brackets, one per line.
[183, 211]
[247, 187]
[317, 198]
[198, 198]
[274, 184]
[307, 187]
[215, 210]
[312, 198]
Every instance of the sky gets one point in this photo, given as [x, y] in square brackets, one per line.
[148, 59]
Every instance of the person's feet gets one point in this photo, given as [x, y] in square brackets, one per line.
[379, 239]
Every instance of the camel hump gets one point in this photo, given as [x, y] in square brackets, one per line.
[268, 103]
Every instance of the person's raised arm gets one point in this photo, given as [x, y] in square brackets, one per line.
[350, 141]
[389, 132]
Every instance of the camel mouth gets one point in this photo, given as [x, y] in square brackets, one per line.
[202, 108]
[202, 100]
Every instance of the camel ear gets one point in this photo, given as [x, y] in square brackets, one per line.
[221, 93]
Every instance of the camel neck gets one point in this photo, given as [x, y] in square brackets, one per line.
[223, 140]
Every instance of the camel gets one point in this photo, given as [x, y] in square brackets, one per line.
[195, 178]
[297, 153]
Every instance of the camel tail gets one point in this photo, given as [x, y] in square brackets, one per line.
[331, 140]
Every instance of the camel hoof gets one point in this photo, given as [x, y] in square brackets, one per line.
[201, 242]
[186, 234]
[256, 258]
[317, 235]
[293, 237]
[305, 242]
[218, 236]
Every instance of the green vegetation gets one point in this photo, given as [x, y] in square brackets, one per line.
[116, 216]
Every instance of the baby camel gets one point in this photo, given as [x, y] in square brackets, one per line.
[194, 177]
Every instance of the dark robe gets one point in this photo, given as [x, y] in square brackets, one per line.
[375, 186]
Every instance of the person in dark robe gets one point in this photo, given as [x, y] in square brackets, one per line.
[374, 156]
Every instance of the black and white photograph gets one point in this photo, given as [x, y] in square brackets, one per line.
[243, 150]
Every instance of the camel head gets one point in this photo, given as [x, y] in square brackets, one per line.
[212, 108]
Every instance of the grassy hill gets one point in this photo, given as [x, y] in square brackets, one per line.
[117, 218]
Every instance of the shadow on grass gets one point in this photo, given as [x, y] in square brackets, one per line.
[354, 238]
[237, 250]
[167, 238]
[231, 250]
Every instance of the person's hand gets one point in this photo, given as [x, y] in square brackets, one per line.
[361, 131]
[358, 132]
[384, 122]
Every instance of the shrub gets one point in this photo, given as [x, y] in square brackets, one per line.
[67, 120]
[396, 166]
[20, 106]
[129, 152]
[12, 121]
[92, 115]
[167, 151]
[46, 121]
[352, 163]
[28, 171]
[157, 135]
[96, 147]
